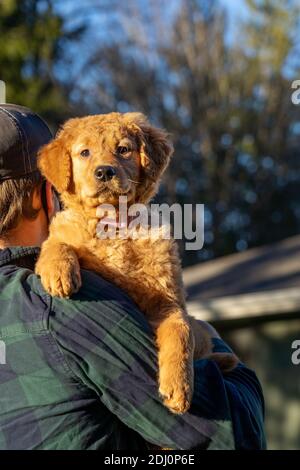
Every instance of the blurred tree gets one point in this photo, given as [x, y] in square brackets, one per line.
[32, 43]
[267, 175]
[225, 99]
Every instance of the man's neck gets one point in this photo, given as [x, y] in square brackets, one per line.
[28, 233]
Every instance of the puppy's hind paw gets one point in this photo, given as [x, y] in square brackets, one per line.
[226, 361]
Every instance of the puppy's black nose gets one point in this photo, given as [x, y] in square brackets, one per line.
[105, 173]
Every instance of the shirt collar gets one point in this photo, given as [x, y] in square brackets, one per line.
[18, 254]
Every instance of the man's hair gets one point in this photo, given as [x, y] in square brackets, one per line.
[16, 200]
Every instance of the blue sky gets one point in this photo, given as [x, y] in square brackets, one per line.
[101, 21]
[237, 10]
[236, 7]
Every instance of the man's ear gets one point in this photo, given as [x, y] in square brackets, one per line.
[51, 200]
[54, 162]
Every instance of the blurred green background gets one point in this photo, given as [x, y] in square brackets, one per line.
[216, 74]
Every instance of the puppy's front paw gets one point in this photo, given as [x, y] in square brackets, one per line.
[61, 278]
[176, 387]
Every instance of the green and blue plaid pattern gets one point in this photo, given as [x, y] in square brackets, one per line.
[81, 374]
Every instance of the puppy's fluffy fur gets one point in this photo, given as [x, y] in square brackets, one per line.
[147, 268]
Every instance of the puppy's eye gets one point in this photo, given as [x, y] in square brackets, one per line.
[122, 150]
[85, 153]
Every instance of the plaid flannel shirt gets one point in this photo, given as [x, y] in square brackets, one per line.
[81, 374]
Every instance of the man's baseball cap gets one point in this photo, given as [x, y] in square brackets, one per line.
[22, 133]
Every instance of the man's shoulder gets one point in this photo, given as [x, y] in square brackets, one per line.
[23, 300]
[101, 302]
[24, 304]
[99, 319]
[98, 302]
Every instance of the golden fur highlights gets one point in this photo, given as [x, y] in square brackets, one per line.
[148, 269]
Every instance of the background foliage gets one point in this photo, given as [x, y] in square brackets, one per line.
[222, 90]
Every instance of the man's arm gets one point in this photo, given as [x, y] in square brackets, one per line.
[110, 348]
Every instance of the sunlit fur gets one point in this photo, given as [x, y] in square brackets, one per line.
[147, 269]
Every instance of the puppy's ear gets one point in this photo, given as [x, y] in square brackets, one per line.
[156, 150]
[54, 162]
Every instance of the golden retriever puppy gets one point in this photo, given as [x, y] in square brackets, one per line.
[94, 160]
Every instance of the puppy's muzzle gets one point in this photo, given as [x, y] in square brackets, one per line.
[105, 173]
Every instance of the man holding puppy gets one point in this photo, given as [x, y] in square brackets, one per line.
[80, 373]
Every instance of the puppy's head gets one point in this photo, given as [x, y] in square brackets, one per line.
[96, 159]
